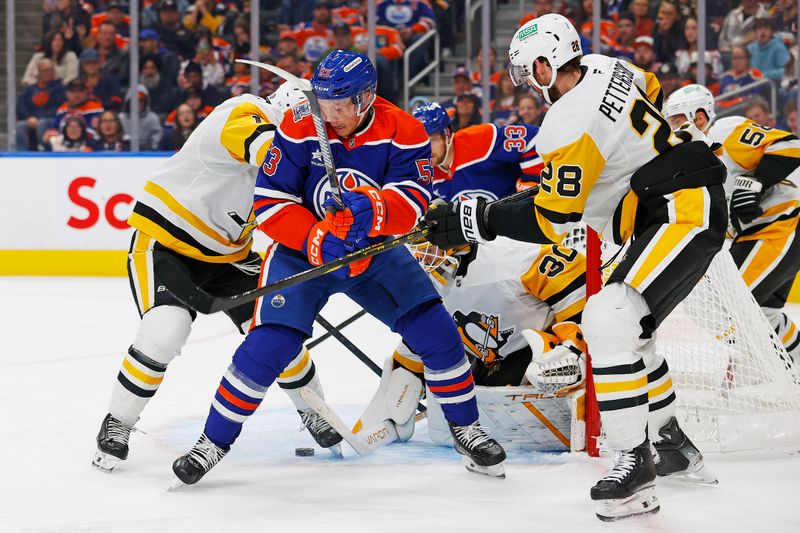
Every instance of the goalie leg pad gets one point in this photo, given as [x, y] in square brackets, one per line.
[162, 334]
[611, 326]
[396, 400]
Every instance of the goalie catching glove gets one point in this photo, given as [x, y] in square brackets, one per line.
[456, 224]
[557, 370]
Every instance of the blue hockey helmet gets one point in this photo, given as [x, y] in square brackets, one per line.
[433, 117]
[344, 74]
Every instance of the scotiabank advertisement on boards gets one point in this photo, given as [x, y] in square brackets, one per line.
[70, 203]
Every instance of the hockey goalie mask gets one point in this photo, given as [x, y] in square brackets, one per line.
[551, 37]
[436, 261]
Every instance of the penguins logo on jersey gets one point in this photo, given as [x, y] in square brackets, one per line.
[482, 335]
[348, 179]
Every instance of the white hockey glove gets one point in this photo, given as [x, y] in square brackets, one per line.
[556, 371]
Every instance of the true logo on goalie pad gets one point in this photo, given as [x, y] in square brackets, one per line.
[482, 335]
[277, 301]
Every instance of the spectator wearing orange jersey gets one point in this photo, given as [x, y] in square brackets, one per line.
[79, 103]
[115, 14]
[389, 47]
[387, 41]
[239, 82]
[315, 37]
[349, 15]
[494, 74]
[193, 98]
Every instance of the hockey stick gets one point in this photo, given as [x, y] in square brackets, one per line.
[347, 343]
[319, 125]
[325, 336]
[196, 298]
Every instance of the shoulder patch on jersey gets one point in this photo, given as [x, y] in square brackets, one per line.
[301, 111]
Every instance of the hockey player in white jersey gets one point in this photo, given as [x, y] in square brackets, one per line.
[611, 160]
[195, 218]
[763, 177]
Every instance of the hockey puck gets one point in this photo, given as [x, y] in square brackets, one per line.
[304, 452]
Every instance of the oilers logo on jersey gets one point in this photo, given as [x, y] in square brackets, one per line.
[469, 194]
[482, 335]
[349, 179]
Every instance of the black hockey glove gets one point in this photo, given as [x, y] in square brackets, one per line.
[744, 201]
[457, 223]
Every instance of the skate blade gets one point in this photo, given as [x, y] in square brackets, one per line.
[176, 484]
[336, 450]
[697, 475]
[642, 503]
[105, 462]
[496, 471]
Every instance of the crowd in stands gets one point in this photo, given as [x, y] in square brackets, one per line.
[76, 93]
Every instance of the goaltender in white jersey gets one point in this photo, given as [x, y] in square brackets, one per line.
[194, 218]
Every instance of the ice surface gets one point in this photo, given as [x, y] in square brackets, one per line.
[61, 343]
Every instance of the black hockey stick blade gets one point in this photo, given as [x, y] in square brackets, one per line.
[203, 302]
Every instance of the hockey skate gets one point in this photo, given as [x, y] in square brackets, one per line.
[678, 458]
[112, 443]
[628, 490]
[322, 431]
[190, 468]
[482, 454]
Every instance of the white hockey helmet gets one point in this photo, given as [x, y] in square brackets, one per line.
[285, 97]
[550, 36]
[688, 101]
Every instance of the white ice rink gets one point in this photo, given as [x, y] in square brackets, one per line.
[62, 341]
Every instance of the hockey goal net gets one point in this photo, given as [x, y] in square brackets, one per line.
[736, 387]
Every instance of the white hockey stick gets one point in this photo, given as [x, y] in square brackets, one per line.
[319, 125]
[366, 440]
